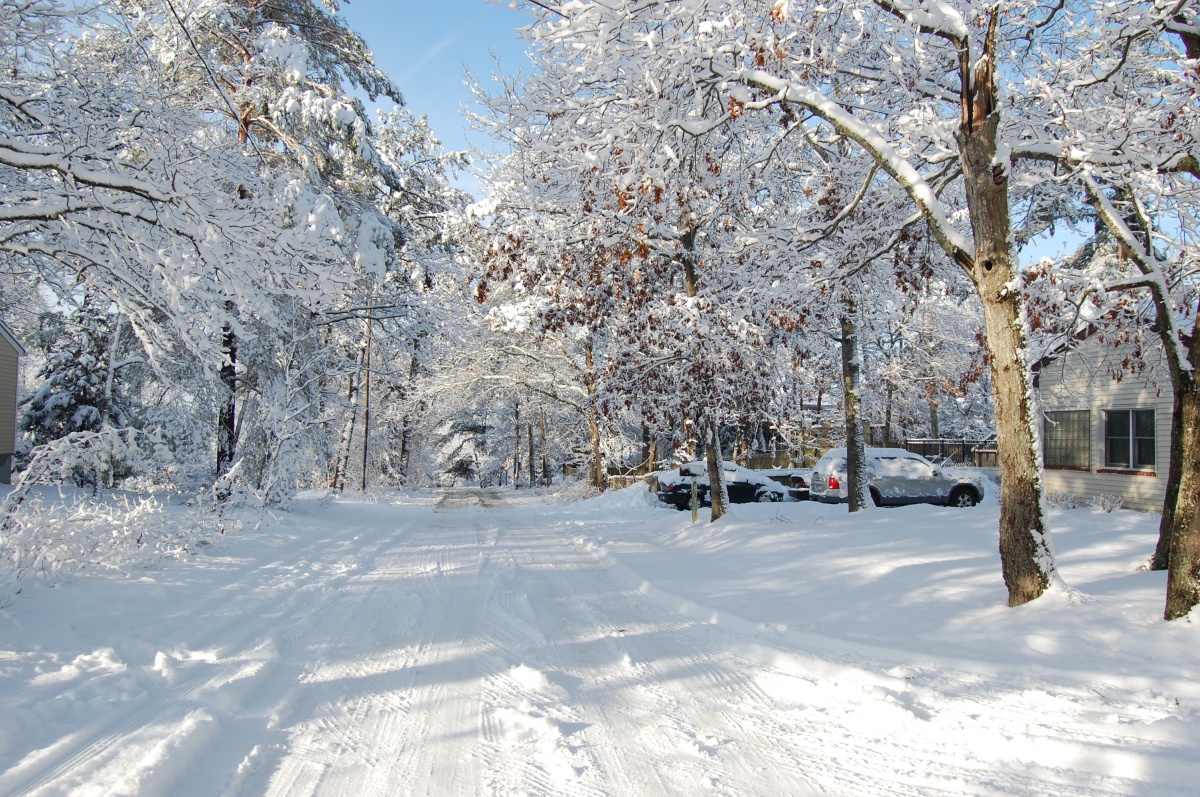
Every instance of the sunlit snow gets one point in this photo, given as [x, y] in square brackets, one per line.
[494, 642]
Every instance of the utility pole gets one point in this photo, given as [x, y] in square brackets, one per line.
[367, 403]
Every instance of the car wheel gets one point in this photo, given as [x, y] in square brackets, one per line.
[963, 497]
[767, 496]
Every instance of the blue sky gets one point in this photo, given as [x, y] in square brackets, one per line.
[426, 46]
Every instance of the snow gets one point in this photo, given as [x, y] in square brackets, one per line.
[486, 642]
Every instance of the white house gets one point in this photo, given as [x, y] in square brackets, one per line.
[1106, 423]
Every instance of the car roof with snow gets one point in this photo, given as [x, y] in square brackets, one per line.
[874, 452]
[733, 472]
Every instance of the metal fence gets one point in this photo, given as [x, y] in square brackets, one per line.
[981, 453]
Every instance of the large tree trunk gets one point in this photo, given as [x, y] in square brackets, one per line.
[1025, 552]
[337, 479]
[1179, 528]
[856, 446]
[1166, 523]
[718, 493]
[1183, 572]
[1183, 383]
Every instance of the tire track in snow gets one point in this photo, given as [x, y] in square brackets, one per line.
[687, 698]
[866, 736]
[430, 679]
[214, 688]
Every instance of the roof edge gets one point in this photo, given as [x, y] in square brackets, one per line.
[8, 335]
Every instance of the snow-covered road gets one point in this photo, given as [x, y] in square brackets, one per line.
[463, 646]
[444, 651]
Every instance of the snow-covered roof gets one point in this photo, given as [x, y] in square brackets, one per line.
[8, 335]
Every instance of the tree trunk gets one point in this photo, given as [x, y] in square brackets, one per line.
[366, 403]
[887, 416]
[856, 447]
[646, 466]
[546, 479]
[935, 432]
[718, 493]
[1025, 552]
[1179, 527]
[337, 479]
[517, 446]
[597, 475]
[532, 468]
[227, 415]
[1183, 382]
[406, 436]
[1166, 523]
[1183, 572]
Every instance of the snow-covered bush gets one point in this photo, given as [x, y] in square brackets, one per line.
[1056, 500]
[1106, 503]
[95, 459]
[572, 491]
[56, 538]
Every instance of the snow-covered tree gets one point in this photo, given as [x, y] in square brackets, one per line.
[915, 87]
[1120, 78]
[82, 383]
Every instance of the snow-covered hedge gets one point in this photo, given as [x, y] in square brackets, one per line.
[54, 533]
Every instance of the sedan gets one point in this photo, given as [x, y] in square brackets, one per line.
[744, 485]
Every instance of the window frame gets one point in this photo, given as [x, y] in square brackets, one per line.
[1053, 445]
[1130, 439]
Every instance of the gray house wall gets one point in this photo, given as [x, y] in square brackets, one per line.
[1082, 380]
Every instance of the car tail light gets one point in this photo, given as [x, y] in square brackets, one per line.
[834, 484]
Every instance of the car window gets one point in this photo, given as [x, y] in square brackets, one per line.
[837, 464]
[901, 468]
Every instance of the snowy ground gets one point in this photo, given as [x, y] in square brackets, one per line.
[484, 643]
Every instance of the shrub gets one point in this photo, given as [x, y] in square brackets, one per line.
[1106, 503]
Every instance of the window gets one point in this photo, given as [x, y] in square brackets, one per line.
[1129, 439]
[1066, 439]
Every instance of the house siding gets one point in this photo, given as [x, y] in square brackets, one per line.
[8, 398]
[1082, 380]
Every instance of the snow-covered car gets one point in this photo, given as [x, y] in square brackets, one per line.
[745, 486]
[795, 480]
[895, 477]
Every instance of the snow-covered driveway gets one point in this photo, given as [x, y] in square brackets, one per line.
[463, 645]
